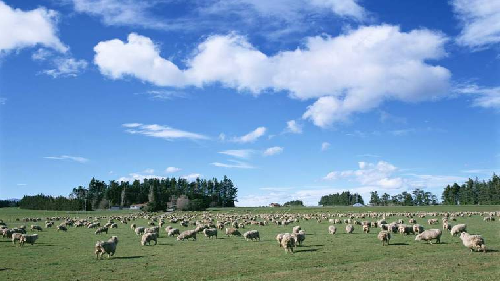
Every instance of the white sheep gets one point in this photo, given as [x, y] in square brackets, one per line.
[288, 242]
[139, 230]
[384, 236]
[457, 229]
[108, 247]
[210, 232]
[430, 234]
[349, 228]
[332, 229]
[148, 237]
[231, 231]
[187, 234]
[252, 235]
[473, 242]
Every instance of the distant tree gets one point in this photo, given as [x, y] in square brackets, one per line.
[294, 203]
[374, 198]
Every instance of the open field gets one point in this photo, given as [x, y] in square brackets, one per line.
[70, 255]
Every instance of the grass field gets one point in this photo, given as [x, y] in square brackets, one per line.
[70, 256]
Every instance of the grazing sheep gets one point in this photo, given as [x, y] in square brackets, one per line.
[36, 227]
[432, 221]
[473, 242]
[25, 238]
[417, 228]
[279, 237]
[62, 227]
[457, 229]
[148, 237]
[384, 236]
[405, 229]
[299, 237]
[133, 226]
[210, 232]
[172, 232]
[413, 221]
[430, 234]
[296, 229]
[114, 225]
[16, 237]
[288, 242]
[139, 230]
[187, 234]
[349, 228]
[231, 231]
[101, 230]
[332, 229]
[106, 247]
[154, 229]
[252, 235]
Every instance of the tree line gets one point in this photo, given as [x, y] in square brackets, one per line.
[294, 203]
[417, 197]
[155, 192]
[473, 192]
[8, 203]
[341, 199]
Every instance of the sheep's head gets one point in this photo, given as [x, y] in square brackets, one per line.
[115, 239]
[418, 237]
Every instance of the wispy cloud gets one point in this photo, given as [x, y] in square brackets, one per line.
[402, 132]
[482, 171]
[159, 131]
[487, 97]
[293, 127]
[21, 184]
[67, 157]
[171, 170]
[239, 153]
[3, 101]
[273, 151]
[325, 146]
[192, 177]
[164, 95]
[233, 164]
[252, 136]
[66, 67]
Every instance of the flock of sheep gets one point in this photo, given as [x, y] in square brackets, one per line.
[210, 223]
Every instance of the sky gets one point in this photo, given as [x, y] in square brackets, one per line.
[291, 99]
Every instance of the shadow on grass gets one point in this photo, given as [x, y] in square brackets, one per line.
[4, 269]
[399, 244]
[127, 258]
[491, 251]
[308, 250]
[312, 246]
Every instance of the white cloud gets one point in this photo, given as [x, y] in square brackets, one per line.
[21, 29]
[163, 95]
[148, 171]
[239, 153]
[394, 65]
[293, 127]
[480, 20]
[41, 54]
[273, 151]
[66, 67]
[67, 157]
[139, 176]
[163, 132]
[482, 171]
[192, 177]
[233, 164]
[171, 170]
[325, 146]
[21, 184]
[252, 136]
[3, 101]
[482, 96]
[331, 176]
[345, 8]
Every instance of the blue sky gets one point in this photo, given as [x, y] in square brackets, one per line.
[291, 99]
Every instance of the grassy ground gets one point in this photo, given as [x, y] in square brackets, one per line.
[69, 256]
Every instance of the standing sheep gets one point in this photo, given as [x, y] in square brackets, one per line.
[252, 235]
[430, 234]
[16, 237]
[25, 238]
[101, 230]
[332, 229]
[148, 237]
[457, 229]
[299, 237]
[173, 231]
[106, 247]
[210, 232]
[36, 227]
[384, 236]
[349, 229]
[296, 229]
[473, 242]
[139, 230]
[232, 232]
[186, 235]
[288, 242]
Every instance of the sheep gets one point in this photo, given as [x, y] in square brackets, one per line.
[299, 237]
[458, 229]
[366, 228]
[62, 227]
[252, 235]
[108, 247]
[154, 229]
[139, 230]
[430, 234]
[405, 229]
[148, 237]
[36, 227]
[279, 237]
[473, 242]
[114, 225]
[384, 236]
[210, 232]
[101, 230]
[16, 237]
[349, 228]
[231, 231]
[446, 225]
[417, 228]
[432, 221]
[25, 238]
[296, 229]
[332, 229]
[133, 226]
[288, 242]
[172, 232]
[187, 234]
[413, 221]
